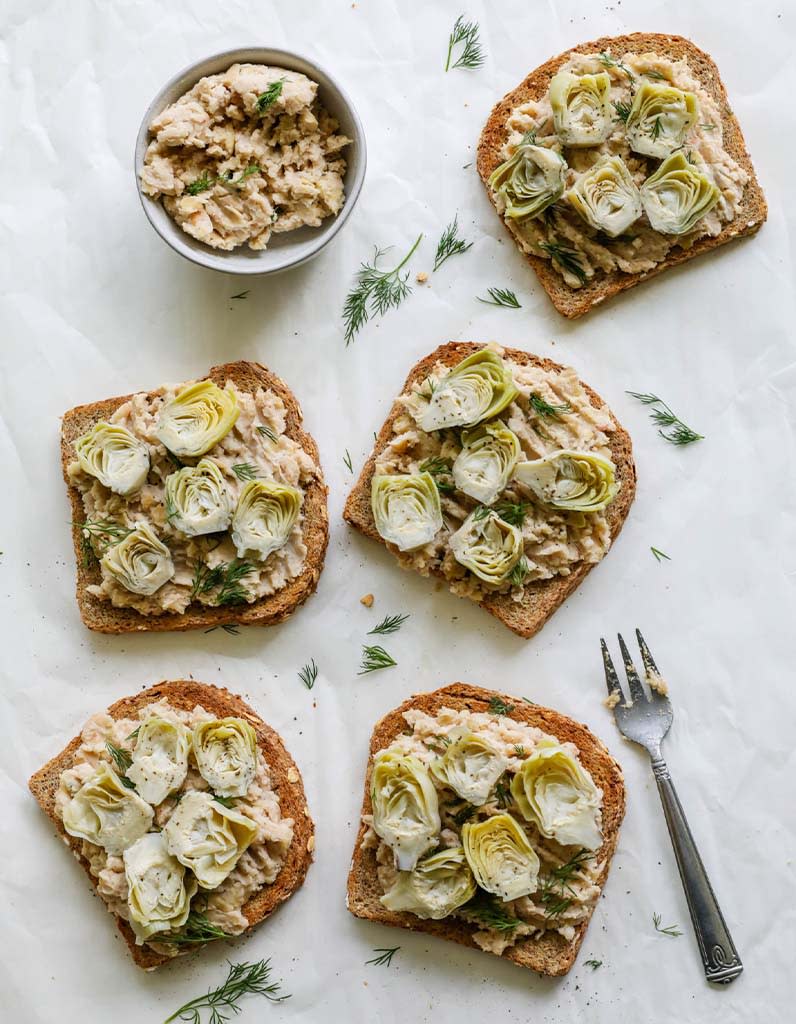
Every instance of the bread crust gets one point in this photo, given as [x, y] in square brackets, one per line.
[185, 694]
[103, 617]
[540, 597]
[574, 302]
[551, 954]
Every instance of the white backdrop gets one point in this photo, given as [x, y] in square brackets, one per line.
[93, 304]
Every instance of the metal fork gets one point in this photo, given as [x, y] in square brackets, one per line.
[646, 720]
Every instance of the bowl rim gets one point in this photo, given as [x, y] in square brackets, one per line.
[209, 259]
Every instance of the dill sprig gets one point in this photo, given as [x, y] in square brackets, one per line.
[242, 979]
[471, 56]
[271, 95]
[502, 792]
[245, 471]
[241, 295]
[389, 624]
[384, 959]
[622, 110]
[517, 575]
[566, 258]
[439, 468]
[554, 889]
[229, 627]
[264, 431]
[656, 75]
[205, 182]
[449, 244]
[655, 128]
[509, 511]
[501, 297]
[309, 674]
[519, 750]
[197, 929]
[122, 761]
[374, 658]
[497, 706]
[224, 577]
[664, 417]
[670, 929]
[375, 291]
[594, 964]
[490, 913]
[546, 409]
[107, 531]
[659, 555]
[225, 801]
[464, 814]
[608, 61]
[347, 461]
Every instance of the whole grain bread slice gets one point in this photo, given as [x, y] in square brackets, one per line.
[103, 617]
[574, 302]
[551, 953]
[540, 597]
[185, 694]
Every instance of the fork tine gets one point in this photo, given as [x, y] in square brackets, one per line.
[649, 665]
[611, 678]
[633, 681]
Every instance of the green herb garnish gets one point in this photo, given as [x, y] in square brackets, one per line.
[594, 964]
[385, 957]
[196, 930]
[608, 61]
[497, 706]
[270, 96]
[566, 258]
[245, 471]
[501, 297]
[122, 760]
[206, 182]
[670, 929]
[519, 572]
[242, 979]
[490, 913]
[622, 110]
[544, 408]
[449, 244]
[225, 578]
[471, 56]
[439, 468]
[267, 432]
[660, 554]
[309, 674]
[375, 291]
[347, 461]
[374, 658]
[389, 624]
[662, 415]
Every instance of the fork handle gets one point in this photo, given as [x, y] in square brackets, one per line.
[719, 955]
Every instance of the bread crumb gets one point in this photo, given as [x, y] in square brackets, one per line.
[422, 277]
[612, 700]
[367, 600]
[292, 775]
[657, 685]
[311, 844]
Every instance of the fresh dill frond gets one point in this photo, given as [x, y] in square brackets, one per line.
[554, 889]
[242, 979]
[622, 110]
[544, 408]
[197, 929]
[519, 572]
[374, 658]
[375, 291]
[502, 793]
[439, 468]
[270, 96]
[501, 297]
[347, 461]
[200, 184]
[225, 801]
[205, 182]
[497, 706]
[659, 555]
[464, 814]
[309, 674]
[384, 959]
[389, 624]
[661, 414]
[224, 577]
[450, 244]
[528, 138]
[509, 512]
[122, 762]
[245, 471]
[106, 532]
[658, 76]
[608, 61]
[229, 627]
[241, 295]
[471, 55]
[566, 258]
[655, 128]
[670, 929]
[594, 964]
[490, 913]
[519, 750]
[264, 431]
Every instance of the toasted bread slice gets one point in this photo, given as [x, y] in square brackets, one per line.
[185, 694]
[574, 302]
[551, 954]
[540, 597]
[103, 617]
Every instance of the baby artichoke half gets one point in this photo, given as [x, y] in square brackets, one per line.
[158, 894]
[569, 480]
[226, 754]
[501, 857]
[476, 389]
[438, 885]
[105, 812]
[470, 766]
[159, 758]
[140, 562]
[405, 806]
[677, 196]
[197, 499]
[484, 465]
[606, 196]
[487, 545]
[406, 508]
[264, 517]
[581, 108]
[529, 181]
[114, 456]
[207, 837]
[659, 119]
[197, 418]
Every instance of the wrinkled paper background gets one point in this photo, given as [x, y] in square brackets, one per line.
[93, 304]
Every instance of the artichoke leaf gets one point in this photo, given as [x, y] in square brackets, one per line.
[158, 893]
[470, 766]
[405, 807]
[114, 456]
[198, 500]
[141, 563]
[484, 465]
[677, 196]
[438, 885]
[570, 480]
[487, 545]
[159, 758]
[529, 181]
[207, 837]
[581, 107]
[197, 418]
[406, 508]
[606, 196]
[264, 517]
[476, 389]
[226, 754]
[107, 813]
[659, 119]
[555, 792]
[501, 857]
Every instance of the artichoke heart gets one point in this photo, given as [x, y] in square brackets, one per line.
[197, 418]
[107, 813]
[581, 108]
[659, 119]
[555, 792]
[159, 758]
[487, 545]
[197, 499]
[140, 562]
[207, 837]
[529, 181]
[158, 894]
[484, 465]
[438, 885]
[501, 857]
[406, 508]
[405, 807]
[476, 389]
[569, 480]
[606, 196]
[677, 196]
[264, 517]
[470, 766]
[226, 754]
[114, 456]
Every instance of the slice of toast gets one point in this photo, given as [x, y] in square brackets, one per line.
[103, 617]
[185, 694]
[551, 954]
[574, 302]
[540, 597]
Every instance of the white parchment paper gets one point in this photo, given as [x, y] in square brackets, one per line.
[93, 304]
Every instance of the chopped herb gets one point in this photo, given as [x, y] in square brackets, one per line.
[501, 297]
[389, 624]
[197, 929]
[177, 463]
[449, 244]
[512, 513]
[439, 468]
[608, 61]
[670, 929]
[224, 577]
[267, 432]
[519, 572]
[660, 554]
[464, 814]
[242, 979]
[245, 471]
[270, 96]
[662, 415]
[228, 627]
[347, 461]
[528, 138]
[502, 793]
[489, 912]
[309, 674]
[201, 184]
[554, 888]
[655, 128]
[107, 532]
[171, 508]
[657, 75]
[566, 258]
[241, 295]
[225, 801]
[122, 761]
[374, 658]
[519, 750]
[497, 706]
[471, 55]
[375, 291]
[544, 408]
[205, 182]
[622, 110]
[385, 957]
[594, 964]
